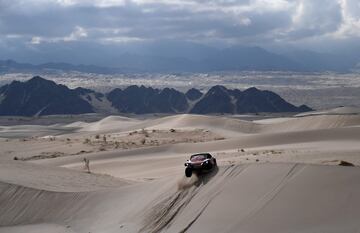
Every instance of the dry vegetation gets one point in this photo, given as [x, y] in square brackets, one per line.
[118, 141]
[146, 138]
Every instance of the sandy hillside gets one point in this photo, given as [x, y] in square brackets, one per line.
[274, 175]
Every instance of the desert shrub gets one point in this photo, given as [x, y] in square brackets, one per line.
[345, 163]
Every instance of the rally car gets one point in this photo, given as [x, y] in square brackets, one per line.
[202, 162]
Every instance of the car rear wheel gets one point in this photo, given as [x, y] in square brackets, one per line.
[188, 172]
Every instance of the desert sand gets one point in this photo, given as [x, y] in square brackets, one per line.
[275, 175]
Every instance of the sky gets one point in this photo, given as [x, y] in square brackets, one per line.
[30, 27]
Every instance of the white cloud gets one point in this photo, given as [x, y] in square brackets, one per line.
[78, 33]
[13, 36]
[350, 26]
[121, 39]
[36, 40]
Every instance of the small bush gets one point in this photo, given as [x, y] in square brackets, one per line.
[345, 163]
[144, 132]
[86, 141]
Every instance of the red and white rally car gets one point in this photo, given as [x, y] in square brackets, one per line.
[199, 163]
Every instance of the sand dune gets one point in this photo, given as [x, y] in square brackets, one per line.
[334, 111]
[22, 131]
[110, 123]
[272, 175]
[313, 123]
[243, 198]
[54, 178]
[215, 123]
[224, 125]
[156, 162]
[232, 126]
[273, 198]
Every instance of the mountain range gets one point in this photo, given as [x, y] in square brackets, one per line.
[39, 96]
[10, 66]
[187, 58]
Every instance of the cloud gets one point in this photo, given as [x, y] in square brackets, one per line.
[35, 40]
[223, 22]
[350, 26]
[77, 34]
[315, 18]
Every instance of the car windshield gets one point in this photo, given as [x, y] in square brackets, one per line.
[199, 157]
